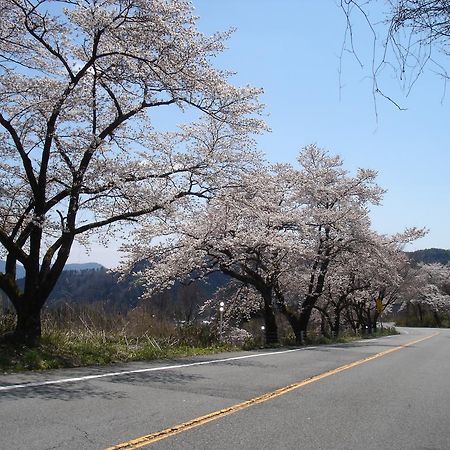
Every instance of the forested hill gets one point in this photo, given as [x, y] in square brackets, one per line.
[95, 285]
[68, 267]
[431, 255]
[92, 283]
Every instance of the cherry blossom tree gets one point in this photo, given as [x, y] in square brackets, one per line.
[80, 83]
[243, 232]
[374, 273]
[241, 303]
[334, 207]
[295, 240]
[278, 231]
[345, 279]
[427, 289]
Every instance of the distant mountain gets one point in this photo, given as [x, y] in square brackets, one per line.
[430, 256]
[77, 267]
[20, 272]
[84, 266]
[93, 284]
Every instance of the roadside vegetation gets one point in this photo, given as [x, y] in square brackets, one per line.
[89, 335]
[427, 320]
[292, 244]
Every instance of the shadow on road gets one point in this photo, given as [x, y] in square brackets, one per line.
[163, 377]
[66, 392]
[102, 388]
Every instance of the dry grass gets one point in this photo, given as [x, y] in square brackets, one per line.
[89, 335]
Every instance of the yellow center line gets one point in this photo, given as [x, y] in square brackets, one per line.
[176, 429]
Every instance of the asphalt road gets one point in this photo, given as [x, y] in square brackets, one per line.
[398, 400]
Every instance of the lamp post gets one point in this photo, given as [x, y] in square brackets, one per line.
[221, 310]
[263, 328]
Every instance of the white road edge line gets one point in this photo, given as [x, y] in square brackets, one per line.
[151, 369]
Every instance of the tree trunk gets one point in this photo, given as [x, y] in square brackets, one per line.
[294, 322]
[271, 328]
[351, 320]
[324, 326]
[419, 309]
[375, 321]
[306, 312]
[270, 323]
[299, 323]
[336, 328]
[28, 327]
[437, 319]
[266, 291]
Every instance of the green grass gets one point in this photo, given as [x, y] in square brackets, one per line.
[58, 350]
[89, 335]
[77, 348]
[380, 333]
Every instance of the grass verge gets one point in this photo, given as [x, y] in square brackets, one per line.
[60, 351]
[63, 350]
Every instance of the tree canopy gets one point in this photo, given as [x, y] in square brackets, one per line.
[79, 84]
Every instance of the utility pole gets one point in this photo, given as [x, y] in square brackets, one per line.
[221, 310]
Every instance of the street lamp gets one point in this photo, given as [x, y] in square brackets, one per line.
[221, 310]
[262, 334]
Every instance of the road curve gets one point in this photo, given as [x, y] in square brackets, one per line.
[385, 393]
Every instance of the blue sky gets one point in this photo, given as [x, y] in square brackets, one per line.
[291, 49]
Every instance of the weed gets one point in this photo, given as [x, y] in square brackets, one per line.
[76, 336]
